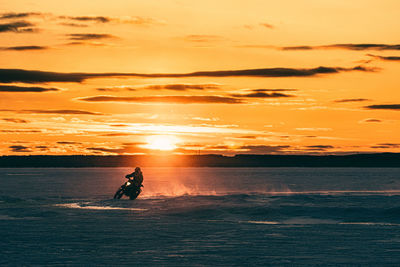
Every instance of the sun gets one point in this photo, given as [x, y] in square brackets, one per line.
[161, 142]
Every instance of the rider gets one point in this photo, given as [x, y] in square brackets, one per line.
[137, 177]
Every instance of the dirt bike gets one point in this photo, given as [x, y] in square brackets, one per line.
[128, 189]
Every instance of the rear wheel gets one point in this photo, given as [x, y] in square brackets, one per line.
[135, 194]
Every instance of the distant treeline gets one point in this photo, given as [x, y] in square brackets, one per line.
[354, 160]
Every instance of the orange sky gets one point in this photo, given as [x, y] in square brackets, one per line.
[223, 77]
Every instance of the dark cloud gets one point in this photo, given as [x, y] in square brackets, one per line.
[24, 48]
[18, 148]
[136, 20]
[267, 25]
[265, 93]
[386, 145]
[88, 36]
[247, 137]
[31, 76]
[61, 111]
[301, 47]
[17, 27]
[389, 107]
[53, 111]
[125, 149]
[364, 46]
[273, 90]
[262, 95]
[42, 148]
[116, 134]
[15, 120]
[181, 87]
[262, 149]
[14, 88]
[372, 120]
[346, 47]
[175, 87]
[115, 89]
[319, 147]
[351, 100]
[21, 15]
[388, 58]
[68, 143]
[78, 25]
[165, 99]
[100, 19]
[20, 131]
[269, 72]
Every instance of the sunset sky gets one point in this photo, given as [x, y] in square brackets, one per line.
[209, 77]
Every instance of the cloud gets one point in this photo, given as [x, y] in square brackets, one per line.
[203, 38]
[12, 15]
[79, 25]
[55, 111]
[371, 120]
[14, 88]
[267, 25]
[18, 148]
[136, 20]
[33, 76]
[345, 47]
[386, 145]
[24, 48]
[131, 148]
[142, 21]
[52, 111]
[319, 147]
[15, 120]
[116, 134]
[351, 100]
[175, 87]
[261, 93]
[100, 19]
[247, 137]
[29, 76]
[301, 47]
[313, 129]
[268, 72]
[261, 149]
[181, 86]
[20, 131]
[88, 36]
[388, 58]
[88, 43]
[273, 90]
[165, 99]
[68, 143]
[17, 27]
[115, 89]
[389, 107]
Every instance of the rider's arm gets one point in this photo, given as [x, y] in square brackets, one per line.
[129, 176]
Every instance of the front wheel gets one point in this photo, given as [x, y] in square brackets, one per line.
[119, 193]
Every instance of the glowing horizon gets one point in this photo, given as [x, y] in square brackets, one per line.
[145, 77]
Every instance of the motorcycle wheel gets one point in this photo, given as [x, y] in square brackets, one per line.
[119, 193]
[134, 195]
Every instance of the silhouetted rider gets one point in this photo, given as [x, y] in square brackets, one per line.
[137, 176]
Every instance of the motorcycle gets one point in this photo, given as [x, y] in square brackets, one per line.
[128, 189]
